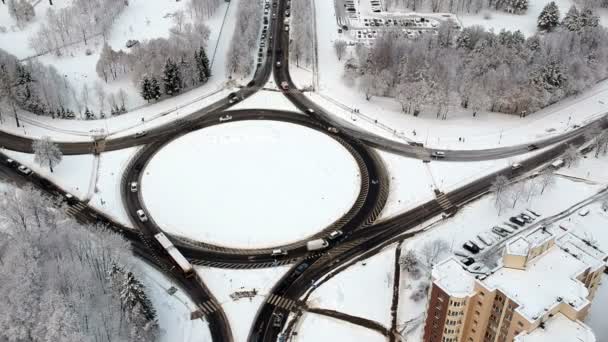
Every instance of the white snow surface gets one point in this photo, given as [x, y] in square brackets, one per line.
[559, 329]
[73, 174]
[173, 311]
[241, 313]
[107, 197]
[317, 328]
[599, 311]
[364, 289]
[250, 184]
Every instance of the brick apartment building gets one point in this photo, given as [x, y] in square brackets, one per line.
[541, 292]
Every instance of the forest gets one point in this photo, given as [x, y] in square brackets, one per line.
[480, 70]
[64, 281]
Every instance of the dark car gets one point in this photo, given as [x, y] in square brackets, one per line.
[467, 261]
[471, 247]
[301, 268]
[532, 147]
[518, 221]
[278, 318]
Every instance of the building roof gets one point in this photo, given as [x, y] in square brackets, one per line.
[518, 246]
[450, 276]
[547, 280]
[559, 329]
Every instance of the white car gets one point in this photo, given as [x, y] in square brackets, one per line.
[133, 186]
[439, 154]
[225, 118]
[140, 134]
[23, 169]
[333, 130]
[142, 216]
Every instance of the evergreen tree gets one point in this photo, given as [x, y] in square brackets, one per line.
[133, 296]
[202, 65]
[588, 19]
[517, 6]
[572, 20]
[171, 78]
[549, 17]
[88, 114]
[145, 88]
[155, 89]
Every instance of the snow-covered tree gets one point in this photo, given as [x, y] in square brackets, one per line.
[572, 19]
[133, 297]
[499, 189]
[172, 79]
[548, 18]
[46, 152]
[340, 47]
[571, 156]
[546, 178]
[432, 252]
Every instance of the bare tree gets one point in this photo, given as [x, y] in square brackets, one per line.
[101, 95]
[499, 187]
[546, 179]
[515, 192]
[432, 251]
[572, 156]
[46, 152]
[340, 47]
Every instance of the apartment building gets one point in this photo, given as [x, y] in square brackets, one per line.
[541, 291]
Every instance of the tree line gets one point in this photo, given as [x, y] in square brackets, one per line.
[302, 44]
[244, 45]
[482, 70]
[460, 6]
[63, 281]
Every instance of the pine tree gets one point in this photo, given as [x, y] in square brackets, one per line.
[549, 17]
[588, 19]
[171, 78]
[132, 295]
[88, 114]
[155, 89]
[202, 65]
[145, 89]
[572, 20]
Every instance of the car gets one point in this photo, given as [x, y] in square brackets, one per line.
[133, 187]
[140, 134]
[284, 85]
[277, 319]
[335, 234]
[278, 252]
[141, 215]
[467, 261]
[511, 225]
[515, 166]
[526, 217]
[333, 130]
[286, 28]
[532, 147]
[471, 247]
[518, 221]
[557, 163]
[274, 16]
[310, 111]
[278, 64]
[500, 232]
[23, 169]
[287, 13]
[225, 118]
[232, 100]
[301, 268]
[486, 239]
[438, 154]
[583, 212]
[461, 253]
[251, 83]
[70, 199]
[10, 162]
[533, 212]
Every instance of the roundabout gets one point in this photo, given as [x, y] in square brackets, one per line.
[250, 184]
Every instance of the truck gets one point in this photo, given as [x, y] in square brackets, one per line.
[177, 257]
[315, 245]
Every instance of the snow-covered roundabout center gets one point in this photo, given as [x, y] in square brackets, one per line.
[250, 184]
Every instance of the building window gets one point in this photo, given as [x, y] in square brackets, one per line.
[479, 303]
[477, 312]
[520, 323]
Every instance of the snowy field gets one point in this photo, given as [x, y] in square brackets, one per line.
[316, 328]
[73, 174]
[173, 311]
[383, 115]
[371, 279]
[107, 196]
[241, 312]
[255, 184]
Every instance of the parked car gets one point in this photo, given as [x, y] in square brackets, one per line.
[533, 212]
[500, 232]
[23, 169]
[471, 247]
[141, 215]
[517, 221]
[511, 225]
[584, 212]
[527, 218]
[467, 261]
[486, 238]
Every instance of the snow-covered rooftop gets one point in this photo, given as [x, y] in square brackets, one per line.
[518, 246]
[585, 250]
[559, 329]
[453, 279]
[547, 280]
[539, 236]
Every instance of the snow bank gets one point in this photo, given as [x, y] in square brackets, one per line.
[325, 329]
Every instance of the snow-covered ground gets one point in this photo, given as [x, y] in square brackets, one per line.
[316, 328]
[266, 99]
[384, 116]
[250, 184]
[598, 313]
[73, 174]
[107, 195]
[241, 313]
[173, 311]
[371, 279]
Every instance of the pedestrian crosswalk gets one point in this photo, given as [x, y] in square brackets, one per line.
[209, 307]
[75, 209]
[282, 302]
[444, 202]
